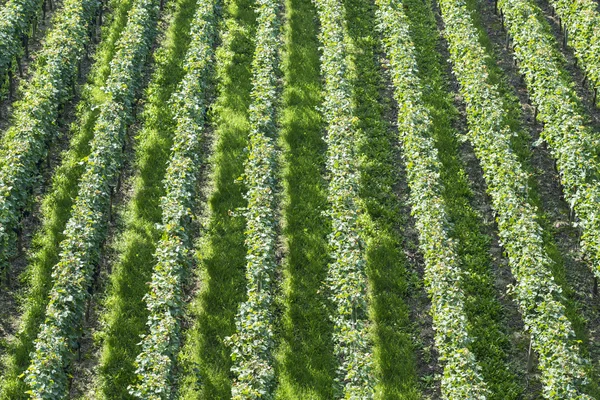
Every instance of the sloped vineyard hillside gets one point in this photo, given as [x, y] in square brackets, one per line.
[299, 199]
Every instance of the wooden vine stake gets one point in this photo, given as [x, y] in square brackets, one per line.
[79, 343]
[26, 46]
[118, 188]
[96, 35]
[48, 161]
[110, 205]
[119, 175]
[88, 305]
[11, 85]
[20, 67]
[19, 246]
[530, 358]
[560, 24]
[571, 215]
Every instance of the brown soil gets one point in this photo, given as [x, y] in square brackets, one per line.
[579, 279]
[513, 323]
[584, 91]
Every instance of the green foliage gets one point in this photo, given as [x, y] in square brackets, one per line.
[486, 315]
[253, 344]
[582, 22]
[56, 210]
[346, 278]
[538, 296]
[125, 317]
[394, 347]
[16, 19]
[47, 375]
[206, 359]
[164, 300]
[33, 124]
[462, 376]
[305, 365]
[573, 144]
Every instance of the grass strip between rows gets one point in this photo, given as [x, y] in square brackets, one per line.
[486, 315]
[394, 351]
[206, 359]
[488, 323]
[306, 366]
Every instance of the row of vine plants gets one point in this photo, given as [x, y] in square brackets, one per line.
[56, 209]
[124, 314]
[462, 378]
[346, 278]
[205, 359]
[174, 254]
[572, 143]
[16, 19]
[388, 274]
[33, 124]
[47, 375]
[538, 296]
[253, 344]
[581, 22]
